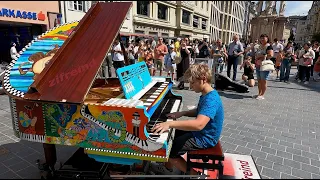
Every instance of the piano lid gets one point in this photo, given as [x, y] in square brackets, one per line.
[75, 65]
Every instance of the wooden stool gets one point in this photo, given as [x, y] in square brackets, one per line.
[214, 154]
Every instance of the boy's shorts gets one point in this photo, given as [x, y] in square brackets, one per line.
[171, 69]
[160, 63]
[182, 143]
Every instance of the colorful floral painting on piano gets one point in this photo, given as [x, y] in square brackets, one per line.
[107, 127]
[36, 55]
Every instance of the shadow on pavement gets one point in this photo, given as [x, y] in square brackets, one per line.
[19, 159]
[233, 96]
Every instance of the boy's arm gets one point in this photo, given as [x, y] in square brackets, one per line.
[190, 113]
[190, 125]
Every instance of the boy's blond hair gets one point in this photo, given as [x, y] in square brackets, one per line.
[198, 71]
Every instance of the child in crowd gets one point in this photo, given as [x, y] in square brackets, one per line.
[200, 133]
[279, 59]
[247, 76]
[148, 54]
[169, 62]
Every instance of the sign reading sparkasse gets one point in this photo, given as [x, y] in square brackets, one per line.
[5, 12]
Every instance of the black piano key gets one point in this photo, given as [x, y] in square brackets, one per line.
[146, 143]
[138, 140]
[154, 135]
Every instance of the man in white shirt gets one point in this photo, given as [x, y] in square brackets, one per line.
[277, 47]
[118, 57]
[13, 51]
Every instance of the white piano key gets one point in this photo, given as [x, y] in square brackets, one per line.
[147, 104]
[150, 100]
[161, 88]
[153, 96]
[159, 91]
[156, 93]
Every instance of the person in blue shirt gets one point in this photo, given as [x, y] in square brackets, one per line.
[200, 133]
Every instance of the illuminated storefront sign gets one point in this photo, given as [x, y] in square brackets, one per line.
[4, 12]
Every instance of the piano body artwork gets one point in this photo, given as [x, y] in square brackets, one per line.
[57, 99]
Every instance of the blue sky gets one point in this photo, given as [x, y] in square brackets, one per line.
[295, 7]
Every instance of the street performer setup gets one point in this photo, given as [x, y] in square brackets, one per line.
[56, 98]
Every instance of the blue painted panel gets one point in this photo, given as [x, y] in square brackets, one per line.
[133, 78]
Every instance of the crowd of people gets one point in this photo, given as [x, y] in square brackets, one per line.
[175, 56]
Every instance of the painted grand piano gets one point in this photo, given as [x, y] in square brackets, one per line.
[56, 97]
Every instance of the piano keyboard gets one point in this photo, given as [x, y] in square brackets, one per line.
[32, 137]
[153, 94]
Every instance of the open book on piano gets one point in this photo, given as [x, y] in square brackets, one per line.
[57, 99]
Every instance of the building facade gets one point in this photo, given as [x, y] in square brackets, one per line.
[228, 18]
[75, 10]
[154, 18]
[313, 20]
[22, 21]
[172, 18]
[301, 27]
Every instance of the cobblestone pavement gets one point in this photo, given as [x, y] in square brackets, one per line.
[282, 132]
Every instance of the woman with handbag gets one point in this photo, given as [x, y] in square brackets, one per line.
[306, 57]
[263, 65]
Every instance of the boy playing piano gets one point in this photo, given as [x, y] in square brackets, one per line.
[199, 133]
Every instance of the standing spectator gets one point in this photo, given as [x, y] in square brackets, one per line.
[13, 51]
[169, 63]
[264, 52]
[148, 54]
[277, 47]
[279, 59]
[118, 56]
[177, 45]
[234, 51]
[153, 43]
[288, 58]
[160, 51]
[219, 54]
[204, 49]
[306, 57]
[185, 51]
[196, 48]
[316, 52]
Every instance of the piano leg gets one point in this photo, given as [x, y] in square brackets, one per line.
[50, 154]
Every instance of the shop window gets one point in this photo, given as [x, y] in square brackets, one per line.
[162, 12]
[185, 17]
[204, 24]
[143, 8]
[139, 32]
[76, 5]
[195, 21]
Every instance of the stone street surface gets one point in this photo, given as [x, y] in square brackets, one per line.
[282, 132]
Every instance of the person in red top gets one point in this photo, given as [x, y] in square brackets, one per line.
[159, 52]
